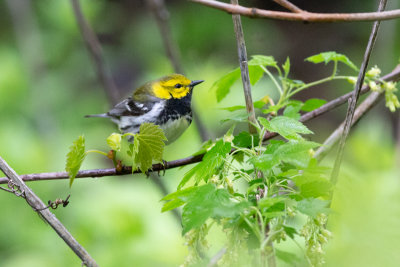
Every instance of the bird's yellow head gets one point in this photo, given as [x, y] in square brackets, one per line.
[173, 86]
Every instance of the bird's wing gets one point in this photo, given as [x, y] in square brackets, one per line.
[129, 107]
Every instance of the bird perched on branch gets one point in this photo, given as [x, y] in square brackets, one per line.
[165, 102]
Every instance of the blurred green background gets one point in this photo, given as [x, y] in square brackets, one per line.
[48, 83]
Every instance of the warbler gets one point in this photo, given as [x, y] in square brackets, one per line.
[165, 102]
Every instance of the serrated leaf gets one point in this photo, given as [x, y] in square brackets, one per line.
[292, 109]
[114, 141]
[260, 60]
[285, 126]
[224, 84]
[312, 104]
[149, 145]
[211, 162]
[327, 57]
[295, 152]
[209, 202]
[313, 206]
[264, 162]
[75, 157]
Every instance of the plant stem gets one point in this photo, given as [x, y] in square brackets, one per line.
[324, 80]
[272, 78]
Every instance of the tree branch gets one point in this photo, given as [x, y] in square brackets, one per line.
[392, 76]
[161, 15]
[301, 16]
[356, 93]
[289, 6]
[95, 52]
[361, 110]
[37, 205]
[244, 69]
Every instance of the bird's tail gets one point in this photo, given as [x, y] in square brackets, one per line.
[103, 115]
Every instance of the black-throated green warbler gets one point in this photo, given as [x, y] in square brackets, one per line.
[165, 102]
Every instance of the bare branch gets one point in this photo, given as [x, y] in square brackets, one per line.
[361, 110]
[38, 206]
[161, 15]
[244, 69]
[303, 16]
[289, 6]
[392, 76]
[95, 52]
[356, 93]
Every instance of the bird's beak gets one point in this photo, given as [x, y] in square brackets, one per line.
[193, 83]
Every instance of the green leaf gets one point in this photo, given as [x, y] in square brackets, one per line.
[295, 152]
[312, 104]
[285, 126]
[259, 104]
[114, 141]
[255, 74]
[224, 84]
[290, 231]
[233, 108]
[211, 162]
[327, 57]
[209, 202]
[313, 181]
[75, 157]
[173, 204]
[150, 145]
[292, 109]
[260, 60]
[245, 139]
[287, 257]
[286, 66]
[313, 206]
[264, 162]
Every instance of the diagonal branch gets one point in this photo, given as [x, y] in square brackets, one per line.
[302, 16]
[355, 96]
[361, 110]
[244, 69]
[289, 6]
[95, 52]
[37, 205]
[161, 15]
[392, 76]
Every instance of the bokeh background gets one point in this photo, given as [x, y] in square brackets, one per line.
[48, 84]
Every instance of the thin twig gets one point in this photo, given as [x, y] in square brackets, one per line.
[289, 6]
[304, 16]
[214, 260]
[361, 110]
[38, 206]
[392, 76]
[161, 15]
[244, 69]
[95, 52]
[355, 96]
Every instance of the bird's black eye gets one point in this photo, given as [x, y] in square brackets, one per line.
[178, 85]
